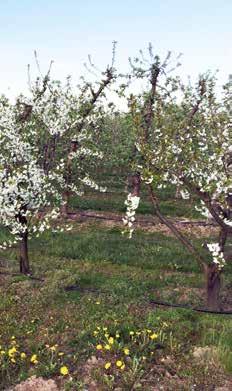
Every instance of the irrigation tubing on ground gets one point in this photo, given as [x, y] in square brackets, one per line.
[165, 304]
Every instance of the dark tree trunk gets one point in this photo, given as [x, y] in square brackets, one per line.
[213, 286]
[68, 177]
[23, 259]
[134, 182]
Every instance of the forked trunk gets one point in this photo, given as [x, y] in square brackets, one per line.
[213, 286]
[23, 258]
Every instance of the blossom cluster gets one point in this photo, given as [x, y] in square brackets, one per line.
[217, 254]
[132, 204]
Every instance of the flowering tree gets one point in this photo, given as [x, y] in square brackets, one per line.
[186, 143]
[83, 134]
[25, 185]
[35, 156]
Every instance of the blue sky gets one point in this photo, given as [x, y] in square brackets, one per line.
[67, 31]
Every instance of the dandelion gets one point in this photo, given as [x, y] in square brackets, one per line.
[154, 336]
[107, 347]
[12, 351]
[23, 355]
[119, 363]
[34, 359]
[111, 340]
[126, 351]
[107, 365]
[99, 347]
[64, 371]
[122, 367]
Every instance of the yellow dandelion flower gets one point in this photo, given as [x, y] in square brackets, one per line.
[107, 347]
[23, 355]
[126, 351]
[64, 371]
[119, 363]
[13, 360]
[154, 336]
[99, 347]
[2, 352]
[111, 340]
[34, 359]
[123, 366]
[95, 332]
[12, 351]
[148, 331]
[107, 365]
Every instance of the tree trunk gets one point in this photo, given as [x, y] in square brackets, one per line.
[65, 206]
[213, 286]
[68, 177]
[134, 184]
[178, 193]
[23, 258]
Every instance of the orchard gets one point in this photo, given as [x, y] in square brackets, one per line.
[92, 232]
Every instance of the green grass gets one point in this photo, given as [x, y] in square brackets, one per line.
[109, 202]
[115, 278]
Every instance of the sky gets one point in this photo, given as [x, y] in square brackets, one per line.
[66, 31]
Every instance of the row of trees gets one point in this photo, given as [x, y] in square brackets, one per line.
[171, 133]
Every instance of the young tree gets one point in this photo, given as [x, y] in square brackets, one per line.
[187, 144]
[25, 187]
[35, 157]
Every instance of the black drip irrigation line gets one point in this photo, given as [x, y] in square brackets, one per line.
[204, 310]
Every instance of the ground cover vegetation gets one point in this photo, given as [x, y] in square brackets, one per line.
[76, 174]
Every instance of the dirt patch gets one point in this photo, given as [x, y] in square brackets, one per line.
[36, 384]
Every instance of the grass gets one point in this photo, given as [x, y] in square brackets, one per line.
[109, 202]
[98, 285]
